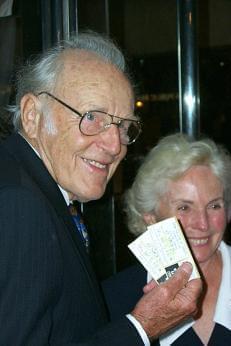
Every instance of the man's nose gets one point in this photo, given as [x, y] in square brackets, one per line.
[111, 139]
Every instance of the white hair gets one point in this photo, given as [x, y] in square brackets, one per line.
[168, 161]
[41, 73]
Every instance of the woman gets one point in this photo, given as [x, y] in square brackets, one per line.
[191, 180]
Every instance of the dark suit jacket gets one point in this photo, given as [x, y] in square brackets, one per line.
[48, 292]
[123, 290]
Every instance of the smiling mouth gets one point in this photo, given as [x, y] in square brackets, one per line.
[95, 163]
[199, 241]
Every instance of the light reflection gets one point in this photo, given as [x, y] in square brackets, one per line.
[190, 100]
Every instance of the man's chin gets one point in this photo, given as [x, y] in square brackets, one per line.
[91, 196]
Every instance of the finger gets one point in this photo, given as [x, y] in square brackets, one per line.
[150, 285]
[180, 277]
[195, 285]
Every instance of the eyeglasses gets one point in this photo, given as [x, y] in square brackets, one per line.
[93, 122]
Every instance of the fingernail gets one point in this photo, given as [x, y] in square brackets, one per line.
[187, 267]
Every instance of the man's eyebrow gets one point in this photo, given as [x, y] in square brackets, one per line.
[132, 116]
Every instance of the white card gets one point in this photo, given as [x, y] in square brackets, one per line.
[162, 249]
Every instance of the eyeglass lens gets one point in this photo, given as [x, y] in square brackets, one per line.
[94, 122]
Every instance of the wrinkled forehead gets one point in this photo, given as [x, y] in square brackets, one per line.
[84, 74]
[88, 66]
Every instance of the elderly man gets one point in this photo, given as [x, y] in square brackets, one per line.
[74, 119]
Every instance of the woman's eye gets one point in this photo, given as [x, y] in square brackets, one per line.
[183, 208]
[215, 206]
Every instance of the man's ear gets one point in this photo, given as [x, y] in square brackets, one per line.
[149, 218]
[30, 114]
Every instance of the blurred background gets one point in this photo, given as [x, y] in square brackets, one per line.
[170, 46]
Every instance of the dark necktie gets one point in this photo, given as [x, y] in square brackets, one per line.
[76, 215]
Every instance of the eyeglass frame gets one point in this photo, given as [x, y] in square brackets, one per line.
[139, 128]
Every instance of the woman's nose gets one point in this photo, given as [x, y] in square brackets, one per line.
[201, 220]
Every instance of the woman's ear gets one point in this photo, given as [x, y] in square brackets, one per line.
[30, 115]
[149, 218]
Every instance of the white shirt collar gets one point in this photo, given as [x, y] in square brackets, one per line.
[223, 308]
[65, 195]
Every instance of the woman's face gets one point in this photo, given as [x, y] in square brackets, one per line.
[197, 200]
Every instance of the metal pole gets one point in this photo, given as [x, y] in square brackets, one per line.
[66, 19]
[46, 24]
[73, 16]
[188, 67]
[107, 21]
[59, 20]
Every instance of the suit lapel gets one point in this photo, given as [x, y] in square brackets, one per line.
[35, 168]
